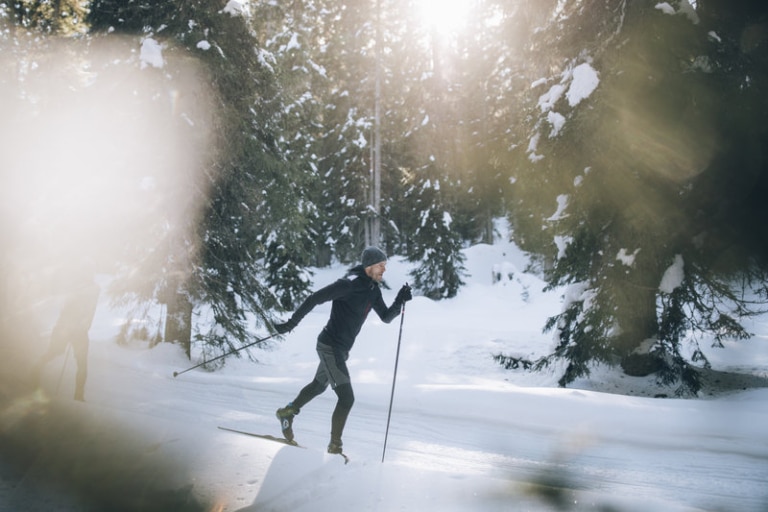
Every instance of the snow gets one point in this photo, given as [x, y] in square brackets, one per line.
[293, 44]
[557, 121]
[562, 243]
[585, 81]
[627, 258]
[562, 205]
[576, 85]
[532, 146]
[151, 53]
[236, 8]
[673, 276]
[465, 434]
[548, 100]
[665, 8]
[447, 219]
[686, 7]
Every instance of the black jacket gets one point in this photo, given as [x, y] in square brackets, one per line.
[353, 297]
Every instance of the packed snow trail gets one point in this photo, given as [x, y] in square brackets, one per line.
[450, 438]
[601, 460]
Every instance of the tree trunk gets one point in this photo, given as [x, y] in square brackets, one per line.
[178, 321]
[488, 231]
[638, 322]
[376, 192]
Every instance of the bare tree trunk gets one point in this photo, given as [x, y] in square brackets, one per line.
[178, 320]
[376, 193]
[488, 232]
[636, 303]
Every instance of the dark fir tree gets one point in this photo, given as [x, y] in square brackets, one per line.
[244, 195]
[345, 127]
[426, 147]
[436, 246]
[59, 17]
[638, 176]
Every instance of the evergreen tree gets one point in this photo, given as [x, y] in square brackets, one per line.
[57, 17]
[289, 34]
[343, 139]
[469, 72]
[246, 188]
[436, 245]
[425, 143]
[640, 162]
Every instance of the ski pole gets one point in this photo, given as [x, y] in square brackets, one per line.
[176, 374]
[394, 379]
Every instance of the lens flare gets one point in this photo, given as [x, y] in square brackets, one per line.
[444, 16]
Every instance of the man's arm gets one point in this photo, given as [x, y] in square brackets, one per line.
[325, 294]
[388, 314]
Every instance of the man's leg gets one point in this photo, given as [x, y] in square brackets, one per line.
[80, 348]
[307, 393]
[346, 398]
[56, 347]
[336, 368]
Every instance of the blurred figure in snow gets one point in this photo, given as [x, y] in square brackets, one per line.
[72, 328]
[353, 297]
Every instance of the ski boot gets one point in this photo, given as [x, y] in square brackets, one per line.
[335, 447]
[285, 415]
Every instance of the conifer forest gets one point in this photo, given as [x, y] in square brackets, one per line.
[209, 154]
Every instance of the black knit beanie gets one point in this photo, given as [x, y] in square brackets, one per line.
[372, 256]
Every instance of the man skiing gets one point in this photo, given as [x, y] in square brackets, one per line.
[353, 297]
[72, 328]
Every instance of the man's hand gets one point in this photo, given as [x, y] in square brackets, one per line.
[404, 295]
[285, 327]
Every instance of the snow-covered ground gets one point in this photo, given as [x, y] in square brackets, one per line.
[465, 434]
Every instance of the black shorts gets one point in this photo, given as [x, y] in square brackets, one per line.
[333, 366]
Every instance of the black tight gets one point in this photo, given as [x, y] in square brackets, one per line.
[340, 413]
[346, 398]
[309, 392]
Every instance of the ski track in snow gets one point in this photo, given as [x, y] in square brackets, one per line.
[509, 446]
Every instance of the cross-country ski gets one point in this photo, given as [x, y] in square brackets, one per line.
[281, 440]
[268, 437]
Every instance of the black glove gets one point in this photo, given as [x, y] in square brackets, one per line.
[285, 327]
[404, 295]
